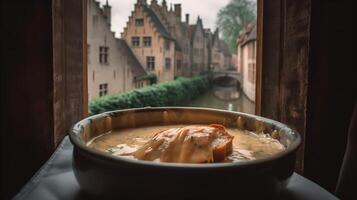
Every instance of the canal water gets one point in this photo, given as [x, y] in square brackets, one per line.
[226, 98]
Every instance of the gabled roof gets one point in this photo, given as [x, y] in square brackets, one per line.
[215, 37]
[136, 67]
[248, 34]
[156, 21]
[193, 28]
[253, 34]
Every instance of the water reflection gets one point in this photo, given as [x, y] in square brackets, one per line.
[226, 98]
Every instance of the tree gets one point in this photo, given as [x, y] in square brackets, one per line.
[231, 19]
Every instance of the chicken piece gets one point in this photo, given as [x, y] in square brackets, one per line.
[190, 144]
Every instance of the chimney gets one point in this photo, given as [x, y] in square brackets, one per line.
[187, 18]
[107, 12]
[178, 11]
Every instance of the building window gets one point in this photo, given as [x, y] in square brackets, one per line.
[147, 41]
[103, 55]
[150, 63]
[139, 84]
[139, 22]
[251, 72]
[195, 51]
[114, 74]
[178, 65]
[93, 76]
[103, 89]
[167, 64]
[135, 41]
[167, 45]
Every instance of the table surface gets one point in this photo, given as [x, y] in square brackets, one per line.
[55, 180]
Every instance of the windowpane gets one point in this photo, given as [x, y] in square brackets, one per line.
[150, 63]
[103, 89]
[135, 41]
[167, 64]
[147, 41]
[179, 63]
[103, 54]
[167, 45]
[139, 22]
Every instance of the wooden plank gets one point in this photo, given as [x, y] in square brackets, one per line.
[285, 64]
[271, 59]
[85, 59]
[69, 65]
[258, 86]
[294, 69]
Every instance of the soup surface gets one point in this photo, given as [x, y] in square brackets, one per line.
[246, 145]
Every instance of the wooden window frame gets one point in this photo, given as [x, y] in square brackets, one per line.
[104, 55]
[178, 65]
[69, 65]
[150, 63]
[273, 22]
[147, 41]
[167, 64]
[135, 41]
[167, 45]
[141, 20]
[103, 89]
[283, 37]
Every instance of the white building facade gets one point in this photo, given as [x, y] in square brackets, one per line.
[109, 71]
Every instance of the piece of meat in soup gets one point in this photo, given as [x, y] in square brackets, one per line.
[190, 144]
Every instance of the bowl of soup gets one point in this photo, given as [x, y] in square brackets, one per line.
[182, 153]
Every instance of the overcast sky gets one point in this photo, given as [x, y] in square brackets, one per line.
[207, 9]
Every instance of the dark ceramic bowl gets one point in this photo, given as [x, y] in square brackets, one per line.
[103, 175]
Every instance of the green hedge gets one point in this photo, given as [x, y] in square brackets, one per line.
[173, 93]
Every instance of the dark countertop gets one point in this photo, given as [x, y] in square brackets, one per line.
[55, 180]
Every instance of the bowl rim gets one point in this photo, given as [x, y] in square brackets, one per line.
[78, 143]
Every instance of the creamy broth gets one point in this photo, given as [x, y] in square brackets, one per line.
[246, 145]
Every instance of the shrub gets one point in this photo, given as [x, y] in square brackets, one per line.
[173, 93]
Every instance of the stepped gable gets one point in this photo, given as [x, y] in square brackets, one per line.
[136, 67]
[156, 21]
[193, 28]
